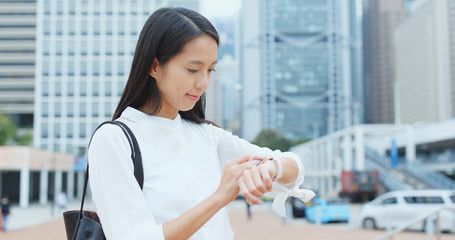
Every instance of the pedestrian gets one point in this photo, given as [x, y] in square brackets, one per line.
[192, 168]
[62, 200]
[5, 212]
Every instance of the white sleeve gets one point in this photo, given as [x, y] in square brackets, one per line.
[230, 146]
[119, 202]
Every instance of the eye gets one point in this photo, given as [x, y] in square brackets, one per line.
[212, 70]
[192, 70]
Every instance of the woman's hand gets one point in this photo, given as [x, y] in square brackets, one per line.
[229, 185]
[256, 181]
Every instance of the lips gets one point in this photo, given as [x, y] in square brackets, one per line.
[194, 98]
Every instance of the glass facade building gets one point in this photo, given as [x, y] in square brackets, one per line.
[308, 75]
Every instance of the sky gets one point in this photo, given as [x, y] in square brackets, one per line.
[219, 8]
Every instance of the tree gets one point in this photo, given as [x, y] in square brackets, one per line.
[9, 133]
[275, 140]
[8, 129]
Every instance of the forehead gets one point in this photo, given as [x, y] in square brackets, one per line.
[202, 48]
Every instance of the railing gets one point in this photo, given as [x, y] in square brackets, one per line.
[417, 220]
[428, 176]
[388, 180]
[373, 155]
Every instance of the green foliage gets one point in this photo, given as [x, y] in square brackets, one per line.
[275, 140]
[8, 129]
[24, 140]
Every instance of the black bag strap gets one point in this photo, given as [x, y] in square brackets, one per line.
[135, 156]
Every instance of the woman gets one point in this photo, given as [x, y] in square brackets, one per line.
[192, 169]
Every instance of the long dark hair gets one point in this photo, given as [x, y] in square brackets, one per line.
[163, 37]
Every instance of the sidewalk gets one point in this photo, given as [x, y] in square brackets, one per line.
[264, 225]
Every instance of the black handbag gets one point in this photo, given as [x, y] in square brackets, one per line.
[81, 224]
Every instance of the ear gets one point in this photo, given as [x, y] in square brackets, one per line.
[155, 71]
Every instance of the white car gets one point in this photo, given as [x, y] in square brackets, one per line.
[398, 207]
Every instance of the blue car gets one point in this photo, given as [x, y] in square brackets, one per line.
[332, 210]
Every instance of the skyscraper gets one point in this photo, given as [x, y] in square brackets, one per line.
[380, 18]
[84, 52]
[17, 60]
[425, 63]
[299, 66]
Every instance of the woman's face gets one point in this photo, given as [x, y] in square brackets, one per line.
[185, 77]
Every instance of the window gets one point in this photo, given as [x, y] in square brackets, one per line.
[72, 7]
[46, 27]
[45, 68]
[96, 7]
[120, 71]
[57, 130]
[107, 109]
[120, 86]
[121, 27]
[133, 27]
[46, 48]
[96, 47]
[424, 200]
[108, 8]
[109, 47]
[96, 88]
[44, 109]
[107, 88]
[84, 27]
[69, 109]
[59, 27]
[95, 109]
[82, 109]
[71, 27]
[44, 130]
[108, 68]
[388, 201]
[109, 27]
[45, 90]
[96, 68]
[59, 7]
[70, 88]
[83, 68]
[84, 7]
[71, 48]
[58, 109]
[96, 27]
[58, 68]
[83, 47]
[58, 47]
[120, 48]
[69, 130]
[70, 68]
[58, 88]
[81, 130]
[83, 88]
[47, 7]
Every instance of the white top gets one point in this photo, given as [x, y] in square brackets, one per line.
[182, 164]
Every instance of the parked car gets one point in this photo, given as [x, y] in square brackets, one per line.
[331, 210]
[298, 207]
[398, 207]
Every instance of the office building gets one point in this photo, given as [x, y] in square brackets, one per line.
[300, 67]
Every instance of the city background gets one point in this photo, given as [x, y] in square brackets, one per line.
[348, 85]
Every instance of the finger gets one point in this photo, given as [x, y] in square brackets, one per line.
[242, 159]
[241, 168]
[256, 175]
[250, 198]
[266, 178]
[248, 179]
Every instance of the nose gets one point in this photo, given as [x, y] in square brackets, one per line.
[203, 81]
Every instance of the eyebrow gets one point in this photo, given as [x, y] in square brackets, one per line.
[201, 63]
